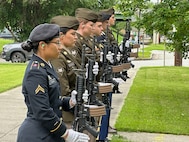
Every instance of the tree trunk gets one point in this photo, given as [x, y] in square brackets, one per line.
[178, 58]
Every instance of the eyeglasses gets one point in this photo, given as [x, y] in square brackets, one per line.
[55, 42]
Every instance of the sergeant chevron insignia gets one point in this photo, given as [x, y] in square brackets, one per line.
[38, 89]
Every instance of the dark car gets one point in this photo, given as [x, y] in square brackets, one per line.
[13, 52]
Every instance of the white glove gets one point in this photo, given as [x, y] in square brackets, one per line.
[101, 56]
[73, 98]
[127, 44]
[109, 56]
[121, 46]
[95, 68]
[118, 56]
[86, 73]
[73, 136]
[85, 96]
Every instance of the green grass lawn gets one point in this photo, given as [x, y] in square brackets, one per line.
[157, 102]
[11, 75]
[3, 42]
[146, 52]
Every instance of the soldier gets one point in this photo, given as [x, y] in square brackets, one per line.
[41, 90]
[66, 63]
[96, 32]
[111, 21]
[105, 127]
[86, 18]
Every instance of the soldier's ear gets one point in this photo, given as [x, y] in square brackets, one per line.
[82, 24]
[61, 34]
[42, 44]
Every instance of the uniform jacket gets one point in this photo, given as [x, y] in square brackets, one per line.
[41, 91]
[77, 49]
[64, 67]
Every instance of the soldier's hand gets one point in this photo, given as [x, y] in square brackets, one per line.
[85, 96]
[73, 136]
[73, 98]
[109, 57]
[118, 56]
[101, 56]
[95, 68]
[86, 73]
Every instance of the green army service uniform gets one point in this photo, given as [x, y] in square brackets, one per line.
[83, 14]
[111, 37]
[77, 50]
[64, 66]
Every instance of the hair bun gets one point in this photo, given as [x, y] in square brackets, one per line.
[27, 45]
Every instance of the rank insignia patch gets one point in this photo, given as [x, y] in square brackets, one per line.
[38, 89]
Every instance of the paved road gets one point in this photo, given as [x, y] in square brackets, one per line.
[13, 109]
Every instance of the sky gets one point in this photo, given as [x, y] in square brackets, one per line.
[155, 1]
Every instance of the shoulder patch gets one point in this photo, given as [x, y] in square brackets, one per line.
[74, 52]
[35, 65]
[60, 71]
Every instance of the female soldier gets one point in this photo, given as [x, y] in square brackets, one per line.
[41, 90]
[66, 63]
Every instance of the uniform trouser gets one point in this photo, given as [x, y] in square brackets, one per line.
[105, 120]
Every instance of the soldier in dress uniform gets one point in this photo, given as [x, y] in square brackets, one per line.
[86, 18]
[41, 90]
[105, 127]
[66, 63]
[111, 38]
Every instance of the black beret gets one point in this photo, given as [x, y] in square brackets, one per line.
[109, 11]
[65, 21]
[44, 32]
[86, 14]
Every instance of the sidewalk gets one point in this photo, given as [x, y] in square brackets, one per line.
[13, 109]
[12, 113]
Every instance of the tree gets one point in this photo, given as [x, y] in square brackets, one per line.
[166, 15]
[133, 8]
[21, 16]
[162, 17]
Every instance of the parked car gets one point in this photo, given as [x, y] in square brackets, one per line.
[13, 52]
[5, 34]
